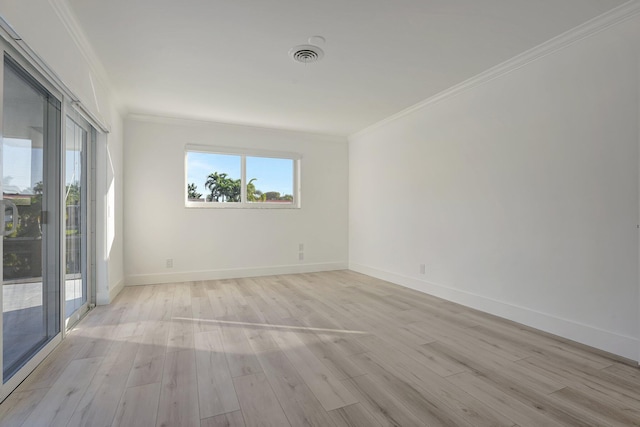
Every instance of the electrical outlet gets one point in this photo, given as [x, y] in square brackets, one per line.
[301, 247]
[423, 269]
[169, 262]
[301, 256]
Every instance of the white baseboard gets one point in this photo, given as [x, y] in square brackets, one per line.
[106, 294]
[115, 290]
[190, 276]
[611, 342]
[102, 297]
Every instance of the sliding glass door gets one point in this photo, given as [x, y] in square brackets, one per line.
[47, 199]
[31, 193]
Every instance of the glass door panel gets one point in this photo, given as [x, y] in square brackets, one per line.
[75, 201]
[30, 201]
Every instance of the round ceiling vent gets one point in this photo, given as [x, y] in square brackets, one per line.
[306, 53]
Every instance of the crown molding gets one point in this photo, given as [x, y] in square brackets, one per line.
[68, 19]
[9, 34]
[142, 116]
[600, 23]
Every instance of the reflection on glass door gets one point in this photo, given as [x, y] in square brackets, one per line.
[30, 201]
[75, 202]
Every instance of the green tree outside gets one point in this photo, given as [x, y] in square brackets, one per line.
[192, 191]
[224, 189]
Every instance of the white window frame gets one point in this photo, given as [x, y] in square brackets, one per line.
[243, 153]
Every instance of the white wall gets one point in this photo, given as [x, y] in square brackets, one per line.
[520, 194]
[113, 192]
[49, 31]
[216, 243]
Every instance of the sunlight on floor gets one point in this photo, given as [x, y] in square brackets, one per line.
[267, 325]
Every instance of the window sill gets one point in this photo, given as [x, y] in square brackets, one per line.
[223, 205]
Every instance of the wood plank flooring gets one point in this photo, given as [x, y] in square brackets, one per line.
[322, 349]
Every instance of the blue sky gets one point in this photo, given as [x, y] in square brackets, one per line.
[22, 165]
[271, 174]
[16, 164]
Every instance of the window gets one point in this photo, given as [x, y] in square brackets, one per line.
[222, 177]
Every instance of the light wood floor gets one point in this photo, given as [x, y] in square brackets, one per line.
[324, 349]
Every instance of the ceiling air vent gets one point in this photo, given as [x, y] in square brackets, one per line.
[306, 53]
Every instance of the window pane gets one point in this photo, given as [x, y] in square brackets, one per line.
[213, 177]
[75, 205]
[269, 180]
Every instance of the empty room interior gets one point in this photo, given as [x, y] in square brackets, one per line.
[337, 213]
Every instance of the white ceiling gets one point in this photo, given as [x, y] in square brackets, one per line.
[228, 60]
